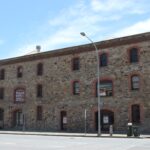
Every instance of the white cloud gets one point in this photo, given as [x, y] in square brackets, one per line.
[139, 27]
[125, 7]
[95, 18]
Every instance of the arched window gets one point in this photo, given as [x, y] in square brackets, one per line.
[39, 90]
[135, 113]
[20, 72]
[2, 74]
[135, 82]
[39, 113]
[1, 114]
[106, 88]
[75, 63]
[103, 60]
[19, 95]
[1, 93]
[76, 88]
[40, 69]
[133, 55]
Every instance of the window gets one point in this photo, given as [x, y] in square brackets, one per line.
[75, 64]
[133, 55]
[39, 113]
[106, 88]
[76, 88]
[2, 74]
[20, 72]
[39, 90]
[103, 60]
[135, 110]
[19, 95]
[1, 93]
[135, 82]
[40, 69]
[1, 114]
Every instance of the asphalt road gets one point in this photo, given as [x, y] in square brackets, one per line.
[31, 142]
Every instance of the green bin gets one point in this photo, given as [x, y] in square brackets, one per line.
[129, 129]
[136, 131]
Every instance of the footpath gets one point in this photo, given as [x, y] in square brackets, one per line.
[71, 134]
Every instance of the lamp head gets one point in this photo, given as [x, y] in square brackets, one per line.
[83, 34]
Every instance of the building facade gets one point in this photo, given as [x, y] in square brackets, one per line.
[51, 91]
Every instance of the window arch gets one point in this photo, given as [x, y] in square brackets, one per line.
[135, 82]
[103, 60]
[133, 55]
[40, 69]
[20, 72]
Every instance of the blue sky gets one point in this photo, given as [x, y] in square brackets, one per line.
[55, 24]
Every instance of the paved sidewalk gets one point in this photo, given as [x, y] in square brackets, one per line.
[70, 134]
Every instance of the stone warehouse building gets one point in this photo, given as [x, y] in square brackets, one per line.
[51, 90]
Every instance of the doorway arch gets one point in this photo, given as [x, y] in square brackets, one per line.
[107, 119]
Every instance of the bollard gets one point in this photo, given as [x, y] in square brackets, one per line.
[111, 130]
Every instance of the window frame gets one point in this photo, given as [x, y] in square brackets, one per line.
[135, 82]
[40, 69]
[136, 118]
[75, 64]
[104, 80]
[39, 91]
[2, 91]
[130, 57]
[39, 113]
[2, 74]
[101, 63]
[21, 89]
[20, 72]
[75, 89]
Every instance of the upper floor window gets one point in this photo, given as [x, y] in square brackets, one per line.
[1, 93]
[76, 88]
[40, 69]
[19, 95]
[103, 60]
[2, 74]
[20, 72]
[135, 82]
[1, 114]
[135, 113]
[39, 90]
[39, 113]
[106, 88]
[133, 55]
[75, 64]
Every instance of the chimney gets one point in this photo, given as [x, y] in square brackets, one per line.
[38, 48]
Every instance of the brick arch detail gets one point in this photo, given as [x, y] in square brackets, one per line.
[128, 52]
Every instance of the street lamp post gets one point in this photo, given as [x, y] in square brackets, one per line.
[98, 84]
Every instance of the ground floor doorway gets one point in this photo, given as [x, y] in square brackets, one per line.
[1, 118]
[63, 120]
[18, 118]
[107, 119]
